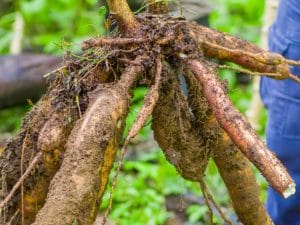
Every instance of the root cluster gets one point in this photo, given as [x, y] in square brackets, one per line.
[77, 126]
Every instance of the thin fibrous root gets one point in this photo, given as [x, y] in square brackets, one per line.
[292, 62]
[209, 198]
[206, 199]
[10, 222]
[21, 180]
[101, 42]
[149, 103]
[240, 70]
[21, 172]
[239, 130]
[274, 75]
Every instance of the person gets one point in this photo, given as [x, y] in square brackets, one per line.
[282, 100]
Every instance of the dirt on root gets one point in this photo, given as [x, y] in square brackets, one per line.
[96, 118]
[46, 128]
[173, 130]
[74, 187]
[233, 166]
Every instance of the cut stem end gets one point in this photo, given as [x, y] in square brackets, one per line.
[291, 190]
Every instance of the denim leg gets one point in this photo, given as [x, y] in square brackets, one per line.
[282, 100]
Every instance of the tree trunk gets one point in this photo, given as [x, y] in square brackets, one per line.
[21, 77]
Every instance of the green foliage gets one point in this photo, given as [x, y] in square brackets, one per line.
[139, 196]
[10, 119]
[48, 22]
[143, 183]
[239, 17]
[242, 18]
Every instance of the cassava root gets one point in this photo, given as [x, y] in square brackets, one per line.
[239, 129]
[89, 156]
[79, 122]
[232, 165]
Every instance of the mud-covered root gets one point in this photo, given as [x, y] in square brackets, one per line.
[100, 42]
[77, 188]
[51, 140]
[29, 169]
[233, 166]
[215, 44]
[10, 159]
[124, 16]
[144, 114]
[45, 129]
[174, 132]
[239, 130]
[239, 179]
[178, 135]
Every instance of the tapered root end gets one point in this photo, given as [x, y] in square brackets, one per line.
[291, 190]
[239, 130]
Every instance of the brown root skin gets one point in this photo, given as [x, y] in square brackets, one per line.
[10, 159]
[226, 47]
[120, 10]
[233, 166]
[158, 7]
[144, 114]
[33, 163]
[204, 34]
[254, 62]
[47, 127]
[239, 130]
[78, 186]
[98, 42]
[240, 182]
[150, 101]
[52, 134]
[174, 132]
[51, 141]
[75, 189]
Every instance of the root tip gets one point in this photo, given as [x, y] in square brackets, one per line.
[290, 190]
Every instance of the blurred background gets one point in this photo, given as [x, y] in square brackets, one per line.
[33, 37]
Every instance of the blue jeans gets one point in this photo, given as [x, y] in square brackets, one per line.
[282, 100]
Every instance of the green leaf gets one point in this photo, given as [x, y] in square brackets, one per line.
[102, 11]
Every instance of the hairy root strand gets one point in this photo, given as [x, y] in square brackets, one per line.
[174, 132]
